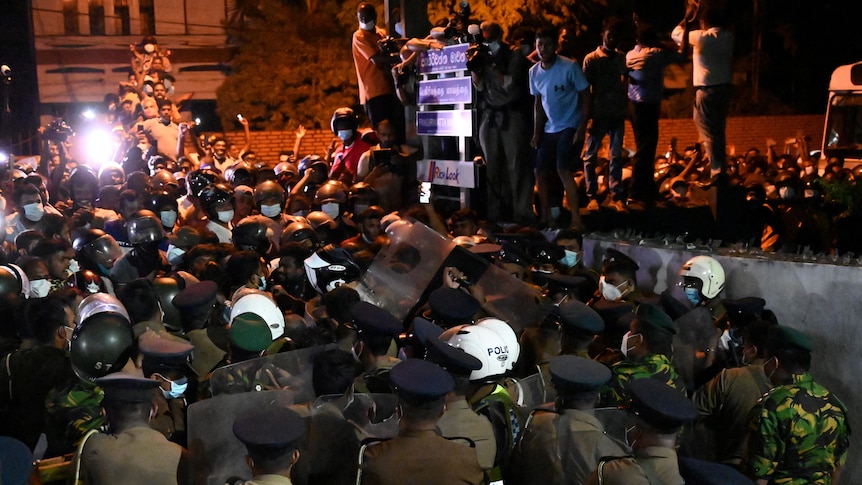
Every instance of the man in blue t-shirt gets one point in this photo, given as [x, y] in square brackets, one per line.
[561, 113]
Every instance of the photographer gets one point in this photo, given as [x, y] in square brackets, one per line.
[385, 168]
[499, 73]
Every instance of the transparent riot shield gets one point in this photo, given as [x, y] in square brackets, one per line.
[510, 299]
[528, 392]
[403, 269]
[285, 371]
[614, 420]
[694, 344]
[371, 415]
[214, 452]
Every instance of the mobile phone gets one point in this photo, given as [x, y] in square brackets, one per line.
[239, 117]
[425, 193]
[140, 127]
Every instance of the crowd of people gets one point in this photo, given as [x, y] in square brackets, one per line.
[189, 271]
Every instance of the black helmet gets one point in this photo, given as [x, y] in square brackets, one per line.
[164, 180]
[266, 190]
[329, 268]
[156, 163]
[331, 191]
[251, 234]
[145, 227]
[13, 281]
[239, 174]
[213, 196]
[109, 172]
[167, 288]
[101, 344]
[298, 232]
[361, 196]
[87, 282]
[197, 180]
[344, 119]
[95, 248]
[160, 199]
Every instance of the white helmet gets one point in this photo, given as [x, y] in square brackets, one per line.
[263, 306]
[483, 344]
[708, 271]
[505, 331]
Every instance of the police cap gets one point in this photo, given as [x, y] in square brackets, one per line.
[425, 330]
[571, 374]
[127, 388]
[647, 314]
[617, 261]
[164, 349]
[452, 306]
[577, 317]
[197, 296]
[371, 319]
[420, 381]
[270, 427]
[452, 359]
[659, 405]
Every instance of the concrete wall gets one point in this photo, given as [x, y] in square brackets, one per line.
[743, 133]
[820, 300]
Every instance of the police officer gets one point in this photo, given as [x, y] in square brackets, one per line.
[799, 430]
[657, 412]
[270, 435]
[419, 455]
[375, 329]
[460, 420]
[648, 351]
[565, 444]
[133, 452]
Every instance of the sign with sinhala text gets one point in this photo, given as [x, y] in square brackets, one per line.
[445, 123]
[454, 90]
[447, 172]
[450, 58]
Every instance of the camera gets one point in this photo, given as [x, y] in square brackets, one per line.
[458, 22]
[58, 131]
[478, 56]
[383, 157]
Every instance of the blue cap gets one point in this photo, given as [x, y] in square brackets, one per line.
[371, 319]
[577, 317]
[452, 359]
[269, 427]
[420, 381]
[576, 375]
[616, 261]
[16, 461]
[660, 405]
[452, 306]
[425, 330]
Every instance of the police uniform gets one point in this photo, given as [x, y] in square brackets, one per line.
[164, 352]
[371, 321]
[135, 455]
[460, 421]
[799, 430]
[563, 446]
[272, 431]
[655, 366]
[419, 457]
[193, 301]
[665, 410]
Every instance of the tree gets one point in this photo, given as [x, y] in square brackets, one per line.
[291, 66]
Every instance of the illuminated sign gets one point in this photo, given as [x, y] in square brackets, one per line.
[447, 172]
[445, 123]
[450, 58]
[446, 91]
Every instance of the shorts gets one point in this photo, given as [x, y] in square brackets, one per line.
[556, 151]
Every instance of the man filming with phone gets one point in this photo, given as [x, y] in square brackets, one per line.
[389, 168]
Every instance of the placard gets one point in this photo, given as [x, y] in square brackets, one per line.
[447, 172]
[445, 123]
[454, 90]
[450, 58]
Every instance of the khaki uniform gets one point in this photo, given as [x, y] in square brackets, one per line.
[651, 466]
[269, 480]
[460, 421]
[135, 456]
[560, 448]
[420, 458]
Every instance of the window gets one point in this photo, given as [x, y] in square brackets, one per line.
[148, 18]
[97, 17]
[70, 17]
[122, 18]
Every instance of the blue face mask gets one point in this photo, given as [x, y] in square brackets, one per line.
[570, 259]
[693, 295]
[178, 387]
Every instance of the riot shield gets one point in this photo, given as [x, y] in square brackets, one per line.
[529, 392]
[285, 371]
[510, 299]
[214, 452]
[403, 269]
[694, 344]
[371, 415]
[614, 420]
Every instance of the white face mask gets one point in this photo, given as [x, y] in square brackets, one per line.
[570, 259]
[74, 267]
[39, 288]
[270, 210]
[331, 209]
[169, 218]
[609, 291]
[494, 47]
[787, 193]
[34, 212]
[225, 216]
[345, 135]
[149, 48]
[175, 254]
[624, 345]
[367, 25]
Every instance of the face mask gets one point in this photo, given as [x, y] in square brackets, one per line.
[570, 259]
[34, 212]
[262, 285]
[301, 213]
[367, 25]
[331, 209]
[178, 387]
[175, 254]
[271, 210]
[169, 218]
[345, 135]
[609, 291]
[624, 345]
[74, 267]
[693, 296]
[225, 216]
[786, 193]
[39, 288]
[494, 47]
[631, 441]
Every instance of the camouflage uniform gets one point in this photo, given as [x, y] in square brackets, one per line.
[656, 366]
[799, 434]
[72, 412]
